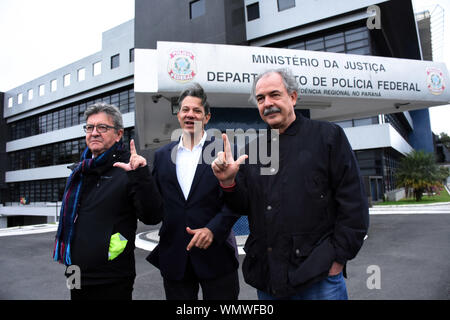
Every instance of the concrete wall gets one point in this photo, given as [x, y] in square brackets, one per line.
[377, 136]
[49, 209]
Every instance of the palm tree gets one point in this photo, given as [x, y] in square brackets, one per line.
[418, 171]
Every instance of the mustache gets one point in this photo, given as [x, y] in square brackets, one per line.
[271, 110]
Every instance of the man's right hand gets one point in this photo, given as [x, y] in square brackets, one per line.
[224, 167]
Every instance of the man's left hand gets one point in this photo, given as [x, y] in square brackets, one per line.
[335, 269]
[135, 162]
[202, 238]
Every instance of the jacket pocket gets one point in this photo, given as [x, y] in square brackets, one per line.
[254, 267]
[92, 244]
[316, 185]
[309, 259]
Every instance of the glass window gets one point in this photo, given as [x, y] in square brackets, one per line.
[345, 123]
[107, 99]
[334, 40]
[132, 55]
[355, 41]
[115, 61]
[75, 118]
[30, 94]
[300, 45]
[66, 79]
[130, 100]
[123, 101]
[197, 8]
[285, 4]
[361, 51]
[97, 68]
[53, 85]
[19, 98]
[316, 44]
[81, 113]
[253, 11]
[68, 115]
[81, 74]
[356, 34]
[363, 122]
[61, 119]
[115, 99]
[68, 118]
[358, 44]
[41, 90]
[337, 49]
[42, 124]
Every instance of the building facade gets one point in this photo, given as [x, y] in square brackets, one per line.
[345, 28]
[43, 118]
[379, 141]
[42, 129]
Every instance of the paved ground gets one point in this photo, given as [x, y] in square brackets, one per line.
[411, 252]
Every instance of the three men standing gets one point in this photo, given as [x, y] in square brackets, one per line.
[306, 220]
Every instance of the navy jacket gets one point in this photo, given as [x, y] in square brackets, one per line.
[203, 208]
[111, 201]
[312, 212]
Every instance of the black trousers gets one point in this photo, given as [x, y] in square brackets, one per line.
[222, 288]
[122, 290]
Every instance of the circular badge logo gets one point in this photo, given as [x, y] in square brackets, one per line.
[182, 67]
[435, 81]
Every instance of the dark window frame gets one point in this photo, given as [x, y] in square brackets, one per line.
[253, 11]
[197, 8]
[131, 55]
[115, 61]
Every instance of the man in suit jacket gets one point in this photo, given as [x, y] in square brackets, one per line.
[197, 246]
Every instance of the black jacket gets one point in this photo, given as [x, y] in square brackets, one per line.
[111, 201]
[204, 207]
[312, 212]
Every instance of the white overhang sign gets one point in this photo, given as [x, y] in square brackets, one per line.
[332, 85]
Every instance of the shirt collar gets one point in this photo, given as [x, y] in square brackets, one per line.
[200, 144]
[293, 127]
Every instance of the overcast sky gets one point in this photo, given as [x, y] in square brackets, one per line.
[39, 36]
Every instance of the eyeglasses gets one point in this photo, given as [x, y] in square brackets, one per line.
[102, 128]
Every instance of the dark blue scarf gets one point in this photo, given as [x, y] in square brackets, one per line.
[69, 208]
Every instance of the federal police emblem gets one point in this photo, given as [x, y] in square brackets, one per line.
[182, 67]
[435, 81]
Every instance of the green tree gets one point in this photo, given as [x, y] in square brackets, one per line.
[419, 172]
[445, 139]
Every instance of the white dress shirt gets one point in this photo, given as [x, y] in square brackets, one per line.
[186, 164]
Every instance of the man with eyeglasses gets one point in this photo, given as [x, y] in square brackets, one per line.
[109, 189]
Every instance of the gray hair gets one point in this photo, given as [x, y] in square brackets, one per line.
[288, 78]
[195, 90]
[110, 109]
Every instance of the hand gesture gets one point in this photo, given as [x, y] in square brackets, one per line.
[224, 166]
[135, 162]
[202, 238]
